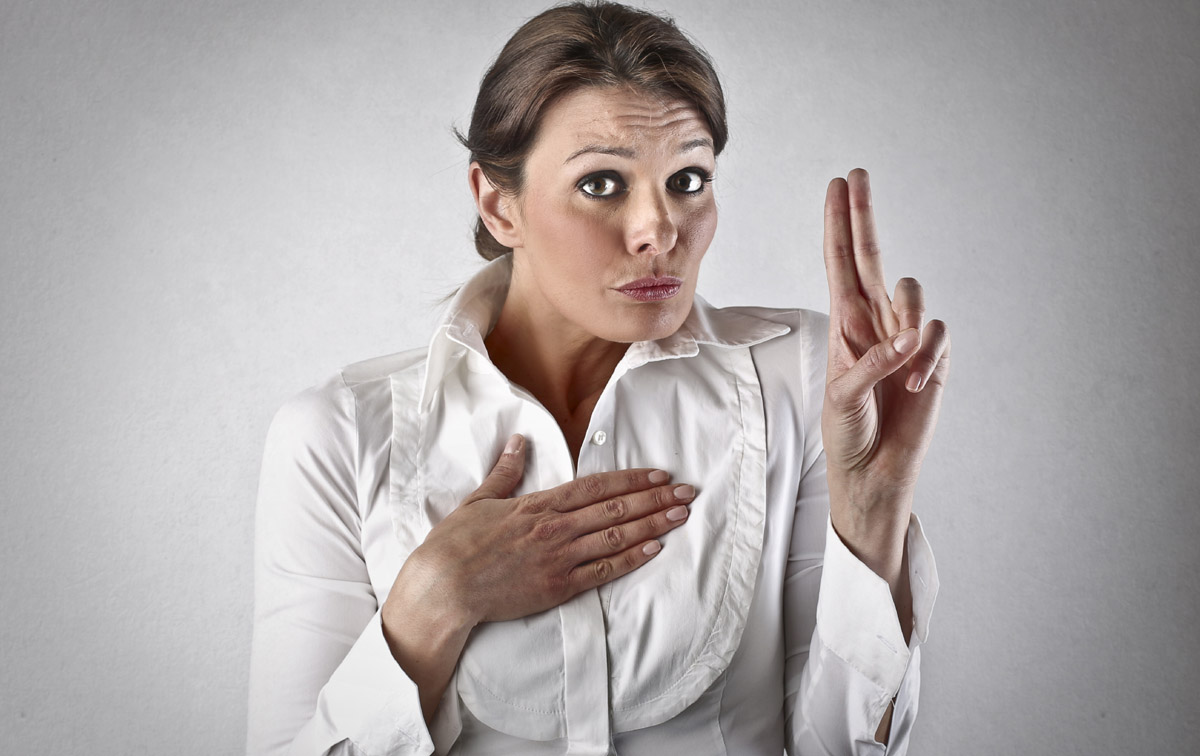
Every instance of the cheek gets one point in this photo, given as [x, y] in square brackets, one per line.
[697, 228]
[567, 246]
[557, 225]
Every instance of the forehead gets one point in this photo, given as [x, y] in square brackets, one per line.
[611, 117]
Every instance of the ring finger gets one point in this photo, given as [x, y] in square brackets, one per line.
[909, 304]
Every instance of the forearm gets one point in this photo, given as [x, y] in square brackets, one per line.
[426, 635]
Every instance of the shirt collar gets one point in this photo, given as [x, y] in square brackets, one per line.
[475, 308]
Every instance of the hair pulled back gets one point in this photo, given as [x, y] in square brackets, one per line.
[569, 47]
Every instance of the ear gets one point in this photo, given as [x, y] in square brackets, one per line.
[494, 208]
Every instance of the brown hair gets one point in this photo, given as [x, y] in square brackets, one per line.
[572, 46]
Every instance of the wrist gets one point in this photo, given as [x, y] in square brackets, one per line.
[423, 603]
[872, 522]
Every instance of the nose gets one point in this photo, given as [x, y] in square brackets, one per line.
[650, 228]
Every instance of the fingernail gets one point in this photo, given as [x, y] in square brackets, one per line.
[658, 476]
[513, 445]
[914, 382]
[906, 341]
[652, 548]
[683, 493]
[675, 514]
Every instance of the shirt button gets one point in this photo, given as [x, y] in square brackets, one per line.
[599, 437]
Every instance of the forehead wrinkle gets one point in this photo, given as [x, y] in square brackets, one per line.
[621, 140]
[656, 119]
[624, 127]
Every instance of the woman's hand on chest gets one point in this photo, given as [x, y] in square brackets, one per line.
[498, 558]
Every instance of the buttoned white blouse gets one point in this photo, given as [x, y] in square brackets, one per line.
[752, 631]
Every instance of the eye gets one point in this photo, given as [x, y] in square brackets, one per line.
[600, 185]
[689, 181]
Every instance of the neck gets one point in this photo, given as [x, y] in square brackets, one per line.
[563, 367]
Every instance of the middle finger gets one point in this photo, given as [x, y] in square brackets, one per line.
[867, 260]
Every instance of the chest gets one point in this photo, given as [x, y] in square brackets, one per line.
[643, 648]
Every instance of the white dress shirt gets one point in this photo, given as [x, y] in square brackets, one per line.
[753, 631]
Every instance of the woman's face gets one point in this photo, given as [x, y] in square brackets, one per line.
[616, 212]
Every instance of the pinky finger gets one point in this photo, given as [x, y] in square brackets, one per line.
[596, 573]
[932, 362]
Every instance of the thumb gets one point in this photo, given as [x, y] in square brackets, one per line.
[505, 475]
[852, 387]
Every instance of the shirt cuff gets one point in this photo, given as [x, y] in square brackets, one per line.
[856, 616]
[371, 702]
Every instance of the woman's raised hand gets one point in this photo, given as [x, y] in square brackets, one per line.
[883, 385]
[499, 558]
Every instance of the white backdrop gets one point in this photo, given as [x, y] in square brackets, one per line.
[206, 207]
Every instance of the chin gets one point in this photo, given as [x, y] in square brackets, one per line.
[650, 323]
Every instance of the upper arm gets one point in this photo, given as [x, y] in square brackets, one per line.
[313, 596]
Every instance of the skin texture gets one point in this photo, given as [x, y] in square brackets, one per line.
[565, 325]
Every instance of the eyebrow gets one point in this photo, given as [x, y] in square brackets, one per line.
[625, 152]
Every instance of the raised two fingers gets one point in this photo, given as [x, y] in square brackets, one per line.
[853, 263]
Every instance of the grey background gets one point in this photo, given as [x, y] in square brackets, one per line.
[206, 207]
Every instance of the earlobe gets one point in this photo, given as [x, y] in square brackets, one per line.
[495, 209]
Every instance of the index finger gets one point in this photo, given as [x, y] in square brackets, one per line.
[590, 489]
[839, 246]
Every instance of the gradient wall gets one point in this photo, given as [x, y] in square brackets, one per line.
[206, 207]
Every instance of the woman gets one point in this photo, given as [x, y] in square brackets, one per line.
[639, 572]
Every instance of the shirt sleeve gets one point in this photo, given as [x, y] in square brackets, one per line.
[322, 679]
[846, 658]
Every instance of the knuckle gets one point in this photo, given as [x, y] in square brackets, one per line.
[876, 357]
[942, 372]
[593, 486]
[602, 570]
[504, 467]
[938, 335]
[614, 537]
[868, 248]
[841, 249]
[537, 503]
[615, 509]
[547, 529]
[924, 364]
[631, 560]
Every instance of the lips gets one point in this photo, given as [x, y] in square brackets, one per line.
[652, 289]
